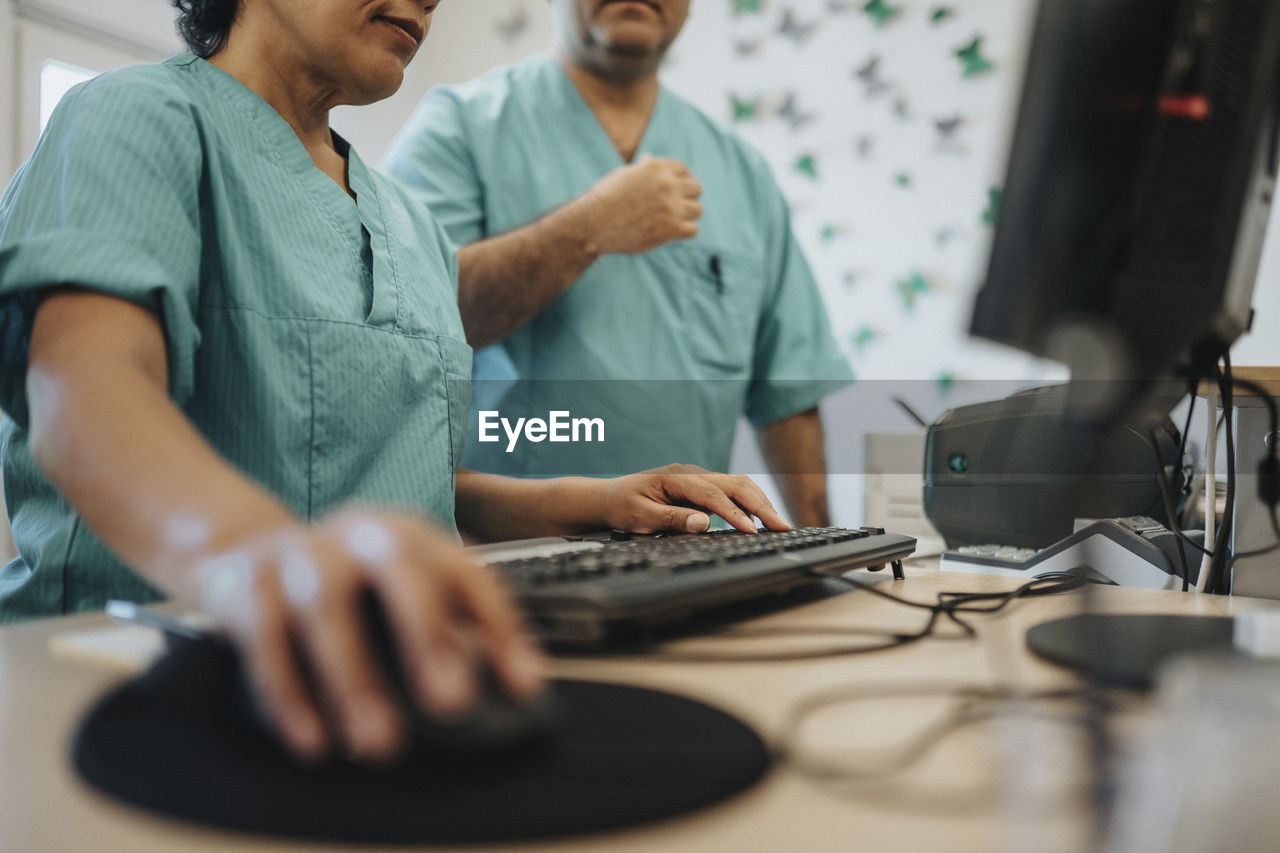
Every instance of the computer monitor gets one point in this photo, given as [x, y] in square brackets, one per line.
[1130, 231]
[1132, 217]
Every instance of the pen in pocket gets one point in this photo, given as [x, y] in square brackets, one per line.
[715, 273]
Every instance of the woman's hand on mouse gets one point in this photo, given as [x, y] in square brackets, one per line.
[670, 499]
[290, 598]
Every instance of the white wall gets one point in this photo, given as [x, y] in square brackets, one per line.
[143, 26]
[1262, 344]
[8, 89]
[96, 36]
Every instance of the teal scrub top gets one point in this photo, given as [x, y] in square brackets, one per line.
[313, 340]
[668, 347]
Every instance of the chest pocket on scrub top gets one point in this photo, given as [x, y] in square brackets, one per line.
[389, 416]
[719, 295]
[456, 356]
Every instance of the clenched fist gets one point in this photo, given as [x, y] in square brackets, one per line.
[642, 206]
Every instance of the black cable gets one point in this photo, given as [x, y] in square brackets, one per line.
[949, 605]
[1217, 567]
[1079, 571]
[1258, 552]
[1166, 489]
[911, 413]
[977, 704]
[892, 641]
[1188, 478]
[1166, 494]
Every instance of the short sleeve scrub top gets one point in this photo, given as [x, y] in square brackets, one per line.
[665, 347]
[313, 339]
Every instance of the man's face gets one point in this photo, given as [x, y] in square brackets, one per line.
[618, 37]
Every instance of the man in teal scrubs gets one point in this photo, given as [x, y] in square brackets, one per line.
[628, 259]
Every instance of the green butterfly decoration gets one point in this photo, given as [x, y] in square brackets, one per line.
[974, 62]
[910, 288]
[864, 336]
[993, 206]
[743, 110]
[880, 11]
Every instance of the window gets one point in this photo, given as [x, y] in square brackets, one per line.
[56, 78]
[49, 61]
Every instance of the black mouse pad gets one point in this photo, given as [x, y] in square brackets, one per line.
[172, 741]
[1123, 649]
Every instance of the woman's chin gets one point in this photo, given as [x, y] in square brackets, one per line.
[377, 86]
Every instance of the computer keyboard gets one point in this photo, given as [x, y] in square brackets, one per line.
[997, 556]
[595, 593]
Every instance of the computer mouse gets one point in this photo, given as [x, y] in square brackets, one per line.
[497, 727]
[497, 724]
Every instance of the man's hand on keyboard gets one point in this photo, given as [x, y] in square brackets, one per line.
[672, 498]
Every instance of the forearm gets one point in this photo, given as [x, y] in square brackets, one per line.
[793, 448]
[505, 281]
[105, 432]
[7, 549]
[491, 508]
[674, 498]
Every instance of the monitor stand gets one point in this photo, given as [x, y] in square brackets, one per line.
[1126, 649]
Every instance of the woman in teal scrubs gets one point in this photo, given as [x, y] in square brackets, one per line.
[224, 341]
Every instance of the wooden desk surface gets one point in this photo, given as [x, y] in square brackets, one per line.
[44, 807]
[1267, 376]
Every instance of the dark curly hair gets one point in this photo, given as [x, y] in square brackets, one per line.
[204, 24]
